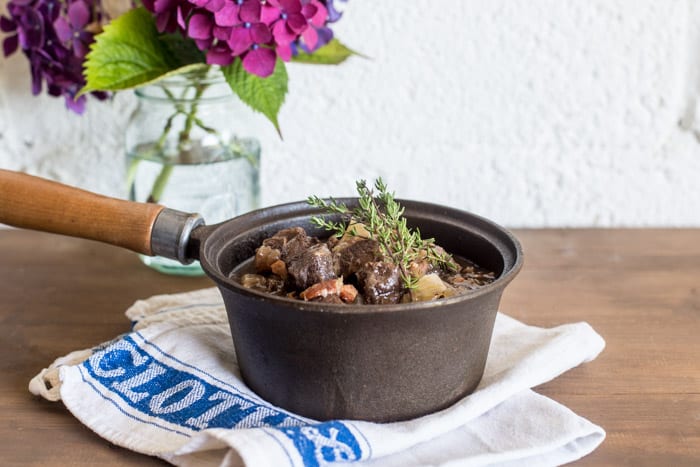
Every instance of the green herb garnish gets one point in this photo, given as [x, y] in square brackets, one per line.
[382, 216]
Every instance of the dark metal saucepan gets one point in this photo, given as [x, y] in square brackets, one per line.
[371, 362]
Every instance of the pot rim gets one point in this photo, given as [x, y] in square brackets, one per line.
[500, 283]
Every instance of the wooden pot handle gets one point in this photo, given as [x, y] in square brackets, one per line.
[35, 203]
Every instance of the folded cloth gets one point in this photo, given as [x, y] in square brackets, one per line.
[172, 389]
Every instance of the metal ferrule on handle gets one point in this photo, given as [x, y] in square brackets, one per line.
[171, 232]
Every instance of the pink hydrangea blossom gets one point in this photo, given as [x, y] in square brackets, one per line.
[257, 32]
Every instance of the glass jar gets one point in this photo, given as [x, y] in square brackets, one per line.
[183, 152]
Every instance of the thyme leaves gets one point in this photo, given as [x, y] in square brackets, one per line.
[382, 217]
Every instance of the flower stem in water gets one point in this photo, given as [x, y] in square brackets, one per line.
[160, 183]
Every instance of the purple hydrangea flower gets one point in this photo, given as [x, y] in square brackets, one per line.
[292, 22]
[255, 31]
[70, 29]
[325, 34]
[167, 13]
[10, 43]
[55, 37]
[333, 14]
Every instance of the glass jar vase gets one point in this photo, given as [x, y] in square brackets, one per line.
[183, 152]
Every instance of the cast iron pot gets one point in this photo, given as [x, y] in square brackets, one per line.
[324, 361]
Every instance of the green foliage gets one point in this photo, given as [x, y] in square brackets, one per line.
[264, 95]
[383, 218]
[333, 53]
[332, 206]
[130, 52]
[181, 49]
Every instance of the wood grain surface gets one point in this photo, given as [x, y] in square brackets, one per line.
[35, 203]
[640, 289]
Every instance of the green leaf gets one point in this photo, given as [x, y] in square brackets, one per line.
[332, 53]
[130, 52]
[184, 50]
[264, 95]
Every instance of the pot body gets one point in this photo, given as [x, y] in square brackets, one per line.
[371, 362]
[377, 367]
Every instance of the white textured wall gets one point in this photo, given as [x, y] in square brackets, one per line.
[533, 113]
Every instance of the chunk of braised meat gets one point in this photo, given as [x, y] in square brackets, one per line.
[284, 245]
[350, 255]
[265, 257]
[380, 282]
[420, 268]
[332, 242]
[282, 237]
[296, 244]
[315, 264]
[279, 268]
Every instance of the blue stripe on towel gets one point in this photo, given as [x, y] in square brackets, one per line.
[199, 370]
[325, 442]
[176, 396]
[121, 409]
[150, 386]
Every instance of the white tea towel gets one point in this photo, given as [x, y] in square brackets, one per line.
[172, 389]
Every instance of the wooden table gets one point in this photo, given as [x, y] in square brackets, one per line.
[640, 289]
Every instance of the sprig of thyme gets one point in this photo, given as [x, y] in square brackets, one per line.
[382, 216]
[333, 207]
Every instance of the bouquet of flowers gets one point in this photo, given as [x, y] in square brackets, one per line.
[75, 49]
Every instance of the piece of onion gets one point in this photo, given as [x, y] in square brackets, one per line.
[428, 287]
[355, 230]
